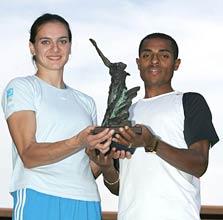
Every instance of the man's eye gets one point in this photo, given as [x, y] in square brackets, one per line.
[146, 55]
[164, 55]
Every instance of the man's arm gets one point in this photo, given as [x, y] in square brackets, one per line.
[95, 169]
[193, 160]
[111, 179]
[22, 127]
[104, 164]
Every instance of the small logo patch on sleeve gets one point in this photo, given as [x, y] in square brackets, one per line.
[9, 92]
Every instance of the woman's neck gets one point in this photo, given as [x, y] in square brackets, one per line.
[52, 77]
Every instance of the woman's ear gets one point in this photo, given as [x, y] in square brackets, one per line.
[32, 49]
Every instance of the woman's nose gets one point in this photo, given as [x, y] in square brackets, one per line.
[55, 46]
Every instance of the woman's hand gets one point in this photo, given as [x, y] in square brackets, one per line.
[100, 141]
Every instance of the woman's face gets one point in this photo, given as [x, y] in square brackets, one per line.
[52, 47]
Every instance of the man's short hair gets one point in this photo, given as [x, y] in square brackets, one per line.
[162, 36]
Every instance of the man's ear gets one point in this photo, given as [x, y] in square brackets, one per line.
[138, 63]
[177, 64]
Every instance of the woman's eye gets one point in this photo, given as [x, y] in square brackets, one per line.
[63, 41]
[45, 42]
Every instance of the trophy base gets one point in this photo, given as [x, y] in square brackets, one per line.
[98, 129]
[119, 147]
[122, 147]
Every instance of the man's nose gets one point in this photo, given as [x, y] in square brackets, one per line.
[155, 58]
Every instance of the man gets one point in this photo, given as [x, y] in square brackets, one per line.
[161, 180]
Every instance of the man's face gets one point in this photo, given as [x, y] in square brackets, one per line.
[52, 46]
[156, 63]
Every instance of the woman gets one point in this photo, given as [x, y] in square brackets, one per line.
[51, 126]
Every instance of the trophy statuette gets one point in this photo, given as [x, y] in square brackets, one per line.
[119, 98]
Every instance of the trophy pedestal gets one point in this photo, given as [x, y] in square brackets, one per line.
[98, 129]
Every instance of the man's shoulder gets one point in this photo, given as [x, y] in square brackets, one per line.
[192, 94]
[193, 97]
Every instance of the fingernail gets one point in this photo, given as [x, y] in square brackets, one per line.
[117, 135]
[112, 131]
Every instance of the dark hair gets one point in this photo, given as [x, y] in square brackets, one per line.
[162, 36]
[45, 18]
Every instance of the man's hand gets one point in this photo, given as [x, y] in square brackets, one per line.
[102, 160]
[129, 138]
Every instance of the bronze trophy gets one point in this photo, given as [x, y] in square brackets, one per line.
[119, 99]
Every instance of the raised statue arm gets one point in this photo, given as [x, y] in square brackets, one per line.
[104, 59]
